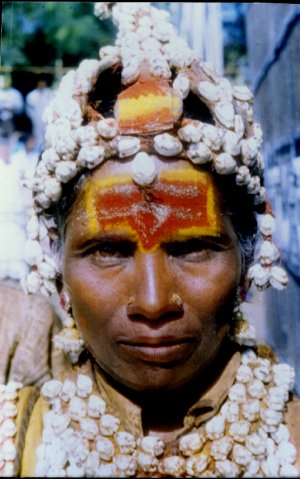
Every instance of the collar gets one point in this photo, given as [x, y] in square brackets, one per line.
[206, 406]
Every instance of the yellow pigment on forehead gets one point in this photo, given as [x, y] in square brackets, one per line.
[180, 204]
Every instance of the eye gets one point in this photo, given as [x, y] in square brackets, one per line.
[111, 250]
[192, 249]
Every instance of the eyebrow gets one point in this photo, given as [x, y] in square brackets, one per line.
[222, 238]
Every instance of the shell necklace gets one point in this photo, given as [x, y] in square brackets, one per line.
[246, 438]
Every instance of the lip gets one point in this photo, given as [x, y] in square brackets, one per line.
[157, 350]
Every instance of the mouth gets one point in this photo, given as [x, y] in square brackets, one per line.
[157, 350]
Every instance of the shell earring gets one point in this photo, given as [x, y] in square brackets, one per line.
[241, 331]
[68, 339]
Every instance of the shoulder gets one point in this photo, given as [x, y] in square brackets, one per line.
[27, 324]
[293, 423]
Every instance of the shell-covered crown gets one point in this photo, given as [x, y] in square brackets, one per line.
[159, 76]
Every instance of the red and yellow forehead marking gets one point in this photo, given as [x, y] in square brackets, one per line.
[180, 204]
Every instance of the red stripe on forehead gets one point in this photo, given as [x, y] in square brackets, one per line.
[175, 206]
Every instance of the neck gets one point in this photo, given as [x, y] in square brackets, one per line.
[163, 411]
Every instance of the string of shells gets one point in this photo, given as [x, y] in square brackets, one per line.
[231, 146]
[247, 438]
[8, 429]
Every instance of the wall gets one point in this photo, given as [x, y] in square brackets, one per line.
[273, 39]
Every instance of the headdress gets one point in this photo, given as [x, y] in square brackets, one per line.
[158, 73]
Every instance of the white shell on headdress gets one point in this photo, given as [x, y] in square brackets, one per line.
[225, 114]
[50, 157]
[249, 151]
[91, 156]
[85, 74]
[107, 128]
[208, 91]
[199, 153]
[242, 93]
[224, 164]
[65, 171]
[212, 137]
[126, 145]
[253, 186]
[143, 169]
[191, 133]
[86, 135]
[231, 143]
[167, 145]
[243, 175]
[52, 188]
[159, 67]
[225, 90]
[239, 126]
[211, 71]
[181, 84]
[108, 50]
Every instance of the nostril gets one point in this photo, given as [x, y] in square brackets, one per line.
[172, 309]
[161, 318]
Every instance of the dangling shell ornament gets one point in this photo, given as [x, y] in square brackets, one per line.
[148, 121]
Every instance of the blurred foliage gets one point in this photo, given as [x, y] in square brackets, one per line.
[234, 37]
[39, 33]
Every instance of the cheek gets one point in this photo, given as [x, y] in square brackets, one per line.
[95, 298]
[213, 284]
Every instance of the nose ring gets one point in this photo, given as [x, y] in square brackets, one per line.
[176, 299]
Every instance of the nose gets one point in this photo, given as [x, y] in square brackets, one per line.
[154, 295]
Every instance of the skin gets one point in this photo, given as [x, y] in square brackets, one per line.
[125, 301]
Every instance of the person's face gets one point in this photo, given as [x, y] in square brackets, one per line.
[152, 276]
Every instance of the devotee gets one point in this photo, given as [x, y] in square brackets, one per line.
[151, 221]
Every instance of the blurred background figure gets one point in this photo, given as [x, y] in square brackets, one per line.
[11, 104]
[18, 161]
[18, 157]
[35, 104]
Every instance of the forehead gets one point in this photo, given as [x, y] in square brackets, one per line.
[182, 202]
